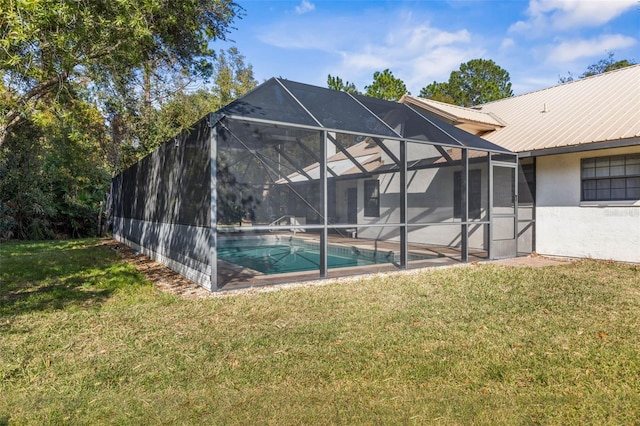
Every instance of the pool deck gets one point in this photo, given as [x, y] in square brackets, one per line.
[231, 276]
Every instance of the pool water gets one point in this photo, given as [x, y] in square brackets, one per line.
[281, 258]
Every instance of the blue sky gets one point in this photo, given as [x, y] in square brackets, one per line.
[536, 41]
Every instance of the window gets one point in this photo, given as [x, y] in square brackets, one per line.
[611, 178]
[475, 194]
[527, 184]
[372, 198]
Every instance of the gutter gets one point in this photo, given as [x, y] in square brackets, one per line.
[620, 143]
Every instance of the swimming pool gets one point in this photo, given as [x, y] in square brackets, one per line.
[273, 255]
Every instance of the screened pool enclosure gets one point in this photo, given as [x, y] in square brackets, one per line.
[295, 182]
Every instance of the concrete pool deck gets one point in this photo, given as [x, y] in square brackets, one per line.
[232, 276]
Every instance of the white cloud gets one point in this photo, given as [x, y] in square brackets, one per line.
[417, 55]
[424, 45]
[437, 65]
[304, 7]
[507, 43]
[562, 15]
[568, 51]
[358, 61]
[411, 47]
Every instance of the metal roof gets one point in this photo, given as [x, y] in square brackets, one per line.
[454, 113]
[597, 109]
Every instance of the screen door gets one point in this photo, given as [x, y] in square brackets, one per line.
[504, 200]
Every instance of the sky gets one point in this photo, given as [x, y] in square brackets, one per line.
[536, 41]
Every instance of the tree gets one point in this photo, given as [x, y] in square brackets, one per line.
[53, 173]
[232, 77]
[87, 88]
[476, 82]
[386, 86]
[47, 44]
[139, 126]
[437, 92]
[336, 83]
[55, 167]
[603, 65]
[25, 203]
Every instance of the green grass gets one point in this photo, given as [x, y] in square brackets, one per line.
[85, 340]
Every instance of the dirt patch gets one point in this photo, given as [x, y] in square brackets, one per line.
[532, 261]
[163, 278]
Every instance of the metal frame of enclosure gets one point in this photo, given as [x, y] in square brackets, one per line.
[294, 182]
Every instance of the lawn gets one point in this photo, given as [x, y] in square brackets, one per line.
[85, 339]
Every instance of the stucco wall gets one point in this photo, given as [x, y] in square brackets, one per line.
[185, 249]
[567, 227]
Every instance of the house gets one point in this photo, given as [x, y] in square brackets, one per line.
[578, 146]
[294, 182]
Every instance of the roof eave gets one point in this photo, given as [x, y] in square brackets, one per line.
[592, 146]
[452, 118]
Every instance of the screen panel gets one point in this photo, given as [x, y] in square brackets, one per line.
[267, 173]
[338, 110]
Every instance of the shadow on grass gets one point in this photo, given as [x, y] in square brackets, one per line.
[53, 275]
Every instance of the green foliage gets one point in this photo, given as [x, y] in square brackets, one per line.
[178, 113]
[603, 65]
[76, 168]
[437, 92]
[53, 174]
[336, 83]
[149, 123]
[476, 82]
[47, 44]
[88, 88]
[26, 204]
[386, 86]
[144, 117]
[232, 77]
[140, 125]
